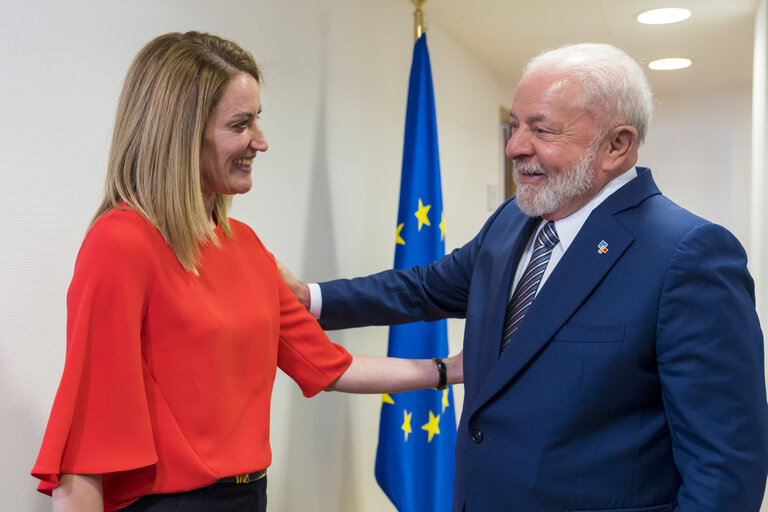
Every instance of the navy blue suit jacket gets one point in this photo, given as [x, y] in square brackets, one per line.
[634, 383]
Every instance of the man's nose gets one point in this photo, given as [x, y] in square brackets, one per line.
[519, 144]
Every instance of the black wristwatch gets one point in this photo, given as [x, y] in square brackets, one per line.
[443, 376]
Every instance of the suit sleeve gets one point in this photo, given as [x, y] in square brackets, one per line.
[433, 292]
[710, 360]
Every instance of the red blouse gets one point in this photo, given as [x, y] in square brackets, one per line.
[168, 376]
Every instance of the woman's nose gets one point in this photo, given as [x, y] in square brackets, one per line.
[259, 141]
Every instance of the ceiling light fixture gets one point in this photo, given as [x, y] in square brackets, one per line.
[662, 16]
[667, 64]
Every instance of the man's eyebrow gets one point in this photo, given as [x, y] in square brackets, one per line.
[535, 118]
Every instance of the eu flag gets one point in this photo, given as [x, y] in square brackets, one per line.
[417, 432]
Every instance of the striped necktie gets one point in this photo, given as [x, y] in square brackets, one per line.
[525, 292]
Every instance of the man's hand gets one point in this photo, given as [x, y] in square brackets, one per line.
[299, 288]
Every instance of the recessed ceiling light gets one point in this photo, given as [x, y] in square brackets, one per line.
[672, 63]
[666, 15]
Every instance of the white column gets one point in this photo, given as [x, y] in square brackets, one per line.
[759, 244]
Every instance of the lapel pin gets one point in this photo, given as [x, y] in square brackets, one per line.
[602, 247]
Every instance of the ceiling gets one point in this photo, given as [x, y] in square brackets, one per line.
[718, 37]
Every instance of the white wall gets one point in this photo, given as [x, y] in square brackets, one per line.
[760, 156]
[325, 198]
[698, 148]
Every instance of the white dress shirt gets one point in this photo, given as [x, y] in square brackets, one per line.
[567, 229]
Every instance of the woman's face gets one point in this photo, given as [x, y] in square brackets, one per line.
[232, 138]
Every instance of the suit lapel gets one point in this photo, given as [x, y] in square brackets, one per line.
[580, 270]
[514, 237]
[562, 294]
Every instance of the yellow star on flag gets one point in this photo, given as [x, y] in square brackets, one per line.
[442, 225]
[421, 214]
[387, 399]
[445, 399]
[406, 427]
[398, 238]
[432, 426]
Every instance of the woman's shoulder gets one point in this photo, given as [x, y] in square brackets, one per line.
[120, 231]
[240, 228]
[243, 233]
[121, 217]
[237, 225]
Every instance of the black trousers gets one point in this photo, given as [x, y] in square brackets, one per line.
[219, 497]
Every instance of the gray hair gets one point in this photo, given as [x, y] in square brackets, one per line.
[613, 82]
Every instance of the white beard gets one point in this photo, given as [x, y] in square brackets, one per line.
[558, 190]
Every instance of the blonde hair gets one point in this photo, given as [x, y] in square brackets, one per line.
[170, 91]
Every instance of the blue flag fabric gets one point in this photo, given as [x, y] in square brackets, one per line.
[417, 433]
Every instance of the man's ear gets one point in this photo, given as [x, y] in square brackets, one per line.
[622, 149]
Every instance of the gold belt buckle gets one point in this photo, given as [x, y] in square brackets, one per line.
[250, 477]
[243, 479]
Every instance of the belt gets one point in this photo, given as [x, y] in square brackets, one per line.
[243, 479]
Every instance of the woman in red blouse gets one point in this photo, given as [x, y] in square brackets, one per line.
[177, 316]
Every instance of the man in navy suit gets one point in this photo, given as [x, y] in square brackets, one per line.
[634, 381]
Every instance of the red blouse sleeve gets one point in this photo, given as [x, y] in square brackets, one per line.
[100, 421]
[305, 353]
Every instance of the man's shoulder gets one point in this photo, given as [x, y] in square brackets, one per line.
[659, 220]
[667, 212]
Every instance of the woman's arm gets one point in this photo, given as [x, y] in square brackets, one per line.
[370, 374]
[78, 493]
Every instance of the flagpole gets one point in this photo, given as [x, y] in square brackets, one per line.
[418, 19]
[415, 458]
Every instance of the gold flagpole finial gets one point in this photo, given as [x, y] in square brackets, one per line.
[418, 19]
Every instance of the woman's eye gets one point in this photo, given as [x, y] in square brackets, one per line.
[241, 125]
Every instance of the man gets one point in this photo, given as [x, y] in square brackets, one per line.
[634, 381]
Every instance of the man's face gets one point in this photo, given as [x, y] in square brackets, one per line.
[554, 148]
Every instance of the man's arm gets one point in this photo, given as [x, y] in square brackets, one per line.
[710, 360]
[388, 293]
[426, 293]
[433, 292]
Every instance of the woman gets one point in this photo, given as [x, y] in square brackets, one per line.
[177, 316]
